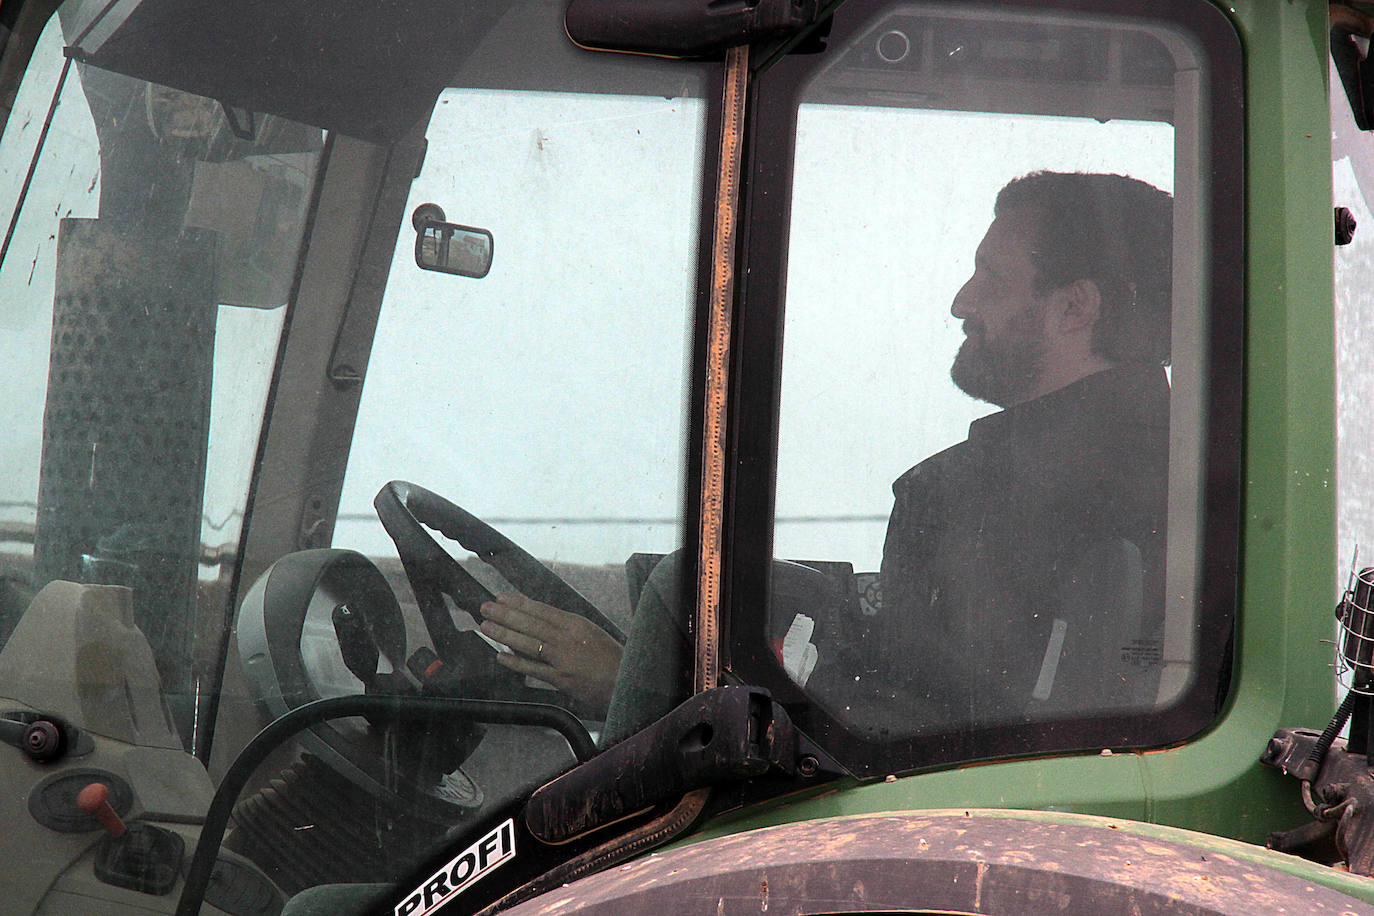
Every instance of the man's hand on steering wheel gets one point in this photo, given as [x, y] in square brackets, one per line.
[564, 649]
[560, 638]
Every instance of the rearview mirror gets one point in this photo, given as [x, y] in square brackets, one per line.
[448, 247]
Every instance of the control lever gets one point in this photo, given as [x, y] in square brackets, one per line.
[474, 674]
[430, 748]
[361, 654]
[141, 857]
[95, 800]
[356, 645]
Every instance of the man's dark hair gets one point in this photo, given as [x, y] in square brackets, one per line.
[1118, 233]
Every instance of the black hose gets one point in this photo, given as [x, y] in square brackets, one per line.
[1313, 764]
[391, 708]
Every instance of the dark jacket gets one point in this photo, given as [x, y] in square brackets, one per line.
[1023, 568]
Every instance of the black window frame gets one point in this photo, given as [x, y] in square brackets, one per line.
[756, 383]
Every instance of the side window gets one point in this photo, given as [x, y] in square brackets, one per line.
[1000, 402]
[67, 180]
[148, 259]
[1352, 183]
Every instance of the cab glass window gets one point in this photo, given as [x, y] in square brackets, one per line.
[545, 401]
[1006, 381]
[1352, 181]
[149, 256]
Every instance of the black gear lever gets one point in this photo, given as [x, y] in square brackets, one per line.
[356, 644]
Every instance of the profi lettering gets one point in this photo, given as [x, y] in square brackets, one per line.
[462, 871]
[436, 889]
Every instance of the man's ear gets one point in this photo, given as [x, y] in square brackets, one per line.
[1077, 306]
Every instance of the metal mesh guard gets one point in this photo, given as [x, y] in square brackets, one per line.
[1355, 645]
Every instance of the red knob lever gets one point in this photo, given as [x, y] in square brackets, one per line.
[95, 799]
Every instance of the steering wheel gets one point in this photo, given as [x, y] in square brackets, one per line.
[406, 510]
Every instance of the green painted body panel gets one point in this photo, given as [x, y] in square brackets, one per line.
[1287, 577]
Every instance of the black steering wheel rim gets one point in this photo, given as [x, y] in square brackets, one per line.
[406, 510]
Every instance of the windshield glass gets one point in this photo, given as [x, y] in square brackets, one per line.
[516, 468]
[554, 411]
[279, 385]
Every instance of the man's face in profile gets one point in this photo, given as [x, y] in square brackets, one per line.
[1003, 355]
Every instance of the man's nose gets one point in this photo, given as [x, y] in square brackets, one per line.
[962, 306]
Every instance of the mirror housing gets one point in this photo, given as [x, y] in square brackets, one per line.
[683, 28]
[448, 247]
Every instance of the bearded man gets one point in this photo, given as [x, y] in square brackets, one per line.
[1023, 568]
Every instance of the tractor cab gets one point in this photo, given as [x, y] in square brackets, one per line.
[453, 449]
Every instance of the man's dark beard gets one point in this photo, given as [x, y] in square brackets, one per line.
[1003, 371]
